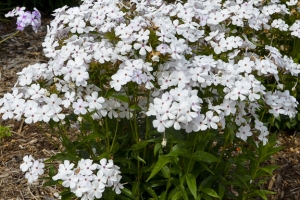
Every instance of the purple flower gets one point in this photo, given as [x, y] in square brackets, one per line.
[26, 18]
[36, 13]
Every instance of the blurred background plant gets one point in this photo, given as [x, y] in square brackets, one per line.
[4, 8]
[4, 132]
[45, 6]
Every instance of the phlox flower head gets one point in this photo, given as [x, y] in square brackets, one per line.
[33, 168]
[244, 132]
[80, 107]
[89, 179]
[27, 163]
[26, 18]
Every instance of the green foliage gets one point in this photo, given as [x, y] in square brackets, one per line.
[204, 165]
[4, 132]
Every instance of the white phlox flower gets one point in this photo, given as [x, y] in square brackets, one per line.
[89, 180]
[244, 132]
[33, 168]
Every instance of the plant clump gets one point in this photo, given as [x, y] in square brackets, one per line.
[166, 90]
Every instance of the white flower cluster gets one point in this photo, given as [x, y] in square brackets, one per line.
[281, 103]
[280, 24]
[88, 180]
[295, 28]
[174, 50]
[33, 168]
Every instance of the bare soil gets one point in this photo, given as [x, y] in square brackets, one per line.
[25, 48]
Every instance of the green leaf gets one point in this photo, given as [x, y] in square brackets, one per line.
[65, 156]
[163, 196]
[157, 183]
[210, 192]
[121, 98]
[135, 107]
[139, 145]
[268, 169]
[207, 182]
[135, 155]
[177, 195]
[157, 146]
[52, 170]
[206, 167]
[176, 151]
[103, 155]
[176, 167]
[204, 156]
[49, 183]
[172, 193]
[298, 116]
[150, 191]
[261, 193]
[162, 161]
[66, 195]
[128, 193]
[221, 190]
[277, 125]
[115, 147]
[135, 188]
[165, 171]
[206, 197]
[288, 125]
[191, 182]
[179, 187]
[245, 179]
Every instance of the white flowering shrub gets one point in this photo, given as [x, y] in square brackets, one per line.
[196, 78]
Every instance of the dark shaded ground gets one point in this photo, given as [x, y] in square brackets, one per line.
[25, 48]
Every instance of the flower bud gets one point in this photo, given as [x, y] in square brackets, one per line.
[164, 142]
[280, 86]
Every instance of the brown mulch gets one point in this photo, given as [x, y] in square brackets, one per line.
[16, 53]
[286, 179]
[24, 49]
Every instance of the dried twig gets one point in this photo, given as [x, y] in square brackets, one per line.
[21, 194]
[31, 193]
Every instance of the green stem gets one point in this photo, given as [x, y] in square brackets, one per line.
[253, 174]
[107, 137]
[147, 124]
[169, 178]
[224, 147]
[262, 116]
[135, 127]
[50, 140]
[294, 47]
[13, 34]
[195, 141]
[112, 144]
